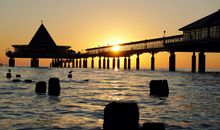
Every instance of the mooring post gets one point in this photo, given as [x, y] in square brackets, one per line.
[193, 62]
[125, 63]
[108, 63]
[172, 61]
[129, 62]
[201, 62]
[137, 62]
[152, 61]
[113, 63]
[118, 63]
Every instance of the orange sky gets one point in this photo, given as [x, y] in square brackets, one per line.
[90, 23]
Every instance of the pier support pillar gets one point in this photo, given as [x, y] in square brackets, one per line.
[201, 62]
[64, 64]
[68, 65]
[113, 63]
[80, 63]
[118, 63]
[152, 62]
[137, 62]
[11, 62]
[125, 63]
[193, 62]
[52, 63]
[34, 62]
[55, 63]
[86, 63]
[172, 61]
[76, 63]
[104, 63]
[37, 62]
[100, 62]
[92, 62]
[73, 63]
[129, 63]
[60, 63]
[108, 63]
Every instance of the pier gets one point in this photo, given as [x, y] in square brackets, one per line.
[201, 36]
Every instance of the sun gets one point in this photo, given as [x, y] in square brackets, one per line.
[116, 48]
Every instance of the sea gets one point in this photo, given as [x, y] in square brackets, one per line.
[193, 102]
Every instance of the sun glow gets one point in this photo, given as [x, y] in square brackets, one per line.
[116, 48]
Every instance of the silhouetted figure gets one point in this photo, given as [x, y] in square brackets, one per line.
[54, 87]
[121, 116]
[159, 88]
[41, 87]
[8, 75]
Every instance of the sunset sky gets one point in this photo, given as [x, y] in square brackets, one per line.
[89, 23]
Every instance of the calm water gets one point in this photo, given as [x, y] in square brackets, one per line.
[193, 103]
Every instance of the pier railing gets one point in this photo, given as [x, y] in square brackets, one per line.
[138, 46]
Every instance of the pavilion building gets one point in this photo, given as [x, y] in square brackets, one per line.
[42, 45]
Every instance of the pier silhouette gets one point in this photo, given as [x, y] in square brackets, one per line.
[201, 36]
